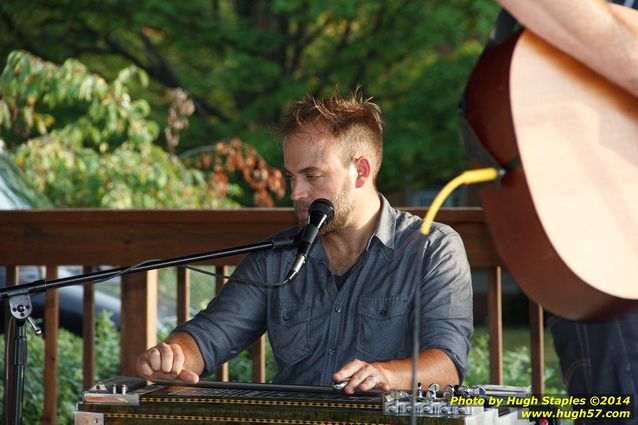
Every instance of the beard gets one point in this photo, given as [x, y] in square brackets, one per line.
[343, 204]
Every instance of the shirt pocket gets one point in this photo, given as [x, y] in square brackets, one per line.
[288, 331]
[382, 331]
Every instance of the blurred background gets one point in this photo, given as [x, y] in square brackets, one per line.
[114, 103]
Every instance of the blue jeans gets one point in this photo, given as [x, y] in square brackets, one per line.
[599, 358]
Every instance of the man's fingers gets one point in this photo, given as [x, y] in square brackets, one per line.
[178, 360]
[356, 371]
[188, 376]
[143, 366]
[363, 377]
[368, 383]
[166, 353]
[383, 386]
[374, 381]
[348, 370]
[154, 359]
[165, 361]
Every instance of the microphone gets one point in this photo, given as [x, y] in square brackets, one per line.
[320, 213]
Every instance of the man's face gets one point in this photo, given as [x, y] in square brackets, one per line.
[315, 170]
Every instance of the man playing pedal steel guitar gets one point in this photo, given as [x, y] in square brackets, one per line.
[590, 31]
[349, 312]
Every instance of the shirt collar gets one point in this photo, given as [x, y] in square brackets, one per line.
[386, 226]
[384, 232]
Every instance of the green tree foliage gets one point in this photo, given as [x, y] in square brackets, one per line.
[242, 61]
[88, 143]
[63, 158]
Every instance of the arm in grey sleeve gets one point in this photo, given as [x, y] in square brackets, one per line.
[232, 320]
[446, 298]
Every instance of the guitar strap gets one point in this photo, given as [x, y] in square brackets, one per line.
[504, 27]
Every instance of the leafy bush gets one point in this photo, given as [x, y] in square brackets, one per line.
[240, 367]
[131, 176]
[517, 368]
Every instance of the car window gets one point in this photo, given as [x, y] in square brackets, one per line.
[15, 191]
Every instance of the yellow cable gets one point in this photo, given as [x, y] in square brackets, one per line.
[467, 177]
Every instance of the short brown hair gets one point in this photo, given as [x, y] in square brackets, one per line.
[355, 122]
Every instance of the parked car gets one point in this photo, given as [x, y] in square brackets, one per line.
[16, 193]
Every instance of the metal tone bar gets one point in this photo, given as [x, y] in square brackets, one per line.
[183, 294]
[495, 321]
[537, 352]
[222, 371]
[51, 331]
[88, 334]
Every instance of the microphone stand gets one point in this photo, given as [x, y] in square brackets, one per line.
[19, 298]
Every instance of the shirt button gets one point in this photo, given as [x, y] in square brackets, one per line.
[338, 309]
[331, 351]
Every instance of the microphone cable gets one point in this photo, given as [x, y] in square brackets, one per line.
[479, 175]
[281, 284]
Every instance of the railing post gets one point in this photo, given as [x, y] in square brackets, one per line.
[13, 278]
[537, 353]
[222, 371]
[138, 317]
[183, 294]
[51, 326]
[88, 334]
[258, 355]
[495, 322]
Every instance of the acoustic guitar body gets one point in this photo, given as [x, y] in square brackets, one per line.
[565, 221]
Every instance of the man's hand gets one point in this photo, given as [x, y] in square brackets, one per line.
[165, 361]
[434, 366]
[363, 376]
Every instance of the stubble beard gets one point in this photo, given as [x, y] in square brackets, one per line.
[344, 206]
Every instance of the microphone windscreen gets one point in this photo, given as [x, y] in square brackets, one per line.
[323, 207]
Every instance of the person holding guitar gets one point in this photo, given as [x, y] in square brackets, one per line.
[599, 357]
[594, 32]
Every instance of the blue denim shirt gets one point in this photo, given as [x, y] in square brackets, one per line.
[314, 329]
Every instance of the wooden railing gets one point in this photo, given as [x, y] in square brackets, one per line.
[124, 237]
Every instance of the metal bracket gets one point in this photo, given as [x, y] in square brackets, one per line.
[20, 306]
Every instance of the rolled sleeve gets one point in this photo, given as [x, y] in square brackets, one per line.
[232, 320]
[446, 298]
